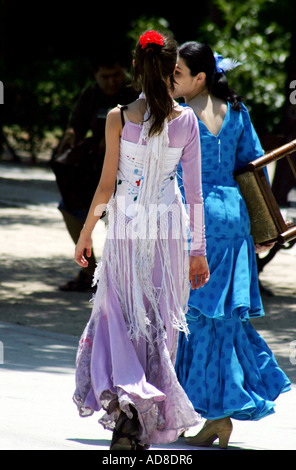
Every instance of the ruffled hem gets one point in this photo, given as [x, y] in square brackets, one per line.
[233, 288]
[154, 429]
[153, 425]
[113, 370]
[227, 369]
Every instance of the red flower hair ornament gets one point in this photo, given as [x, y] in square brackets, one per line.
[151, 37]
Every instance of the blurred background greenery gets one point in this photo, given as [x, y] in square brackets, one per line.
[45, 51]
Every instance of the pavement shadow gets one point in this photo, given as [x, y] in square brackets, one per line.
[30, 295]
[30, 218]
[42, 351]
[92, 442]
[179, 445]
[278, 327]
[22, 192]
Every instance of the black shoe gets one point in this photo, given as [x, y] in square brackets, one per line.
[82, 283]
[125, 433]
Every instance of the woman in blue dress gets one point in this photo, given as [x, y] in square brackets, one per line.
[225, 367]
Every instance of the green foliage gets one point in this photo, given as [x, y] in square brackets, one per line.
[249, 32]
[144, 23]
[249, 35]
[47, 92]
[254, 32]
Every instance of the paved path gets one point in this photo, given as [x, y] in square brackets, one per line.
[37, 412]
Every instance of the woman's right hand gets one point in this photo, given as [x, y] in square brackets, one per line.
[83, 248]
[199, 273]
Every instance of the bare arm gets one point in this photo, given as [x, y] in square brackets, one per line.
[105, 187]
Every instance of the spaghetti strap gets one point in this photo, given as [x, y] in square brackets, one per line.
[122, 109]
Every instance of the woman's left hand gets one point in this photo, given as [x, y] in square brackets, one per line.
[83, 248]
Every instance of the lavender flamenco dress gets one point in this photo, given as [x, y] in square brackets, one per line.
[127, 352]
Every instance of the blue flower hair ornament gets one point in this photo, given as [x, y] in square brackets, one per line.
[224, 65]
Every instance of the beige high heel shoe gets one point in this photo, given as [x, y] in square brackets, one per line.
[218, 429]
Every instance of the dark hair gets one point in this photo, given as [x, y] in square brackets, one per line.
[200, 58]
[153, 65]
[106, 58]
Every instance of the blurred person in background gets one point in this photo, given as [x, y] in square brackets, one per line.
[78, 160]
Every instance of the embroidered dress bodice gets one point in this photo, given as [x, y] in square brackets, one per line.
[130, 175]
[180, 149]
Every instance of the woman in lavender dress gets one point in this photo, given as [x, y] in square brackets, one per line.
[126, 355]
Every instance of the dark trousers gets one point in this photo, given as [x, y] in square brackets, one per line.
[74, 227]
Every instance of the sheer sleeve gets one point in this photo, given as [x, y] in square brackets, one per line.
[191, 170]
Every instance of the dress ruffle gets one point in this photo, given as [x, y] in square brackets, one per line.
[227, 369]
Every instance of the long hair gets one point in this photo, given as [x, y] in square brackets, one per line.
[153, 69]
[200, 58]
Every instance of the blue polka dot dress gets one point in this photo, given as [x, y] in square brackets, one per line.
[225, 366]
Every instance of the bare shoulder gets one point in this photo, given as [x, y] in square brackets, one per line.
[219, 106]
[135, 111]
[114, 121]
[114, 115]
[113, 124]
